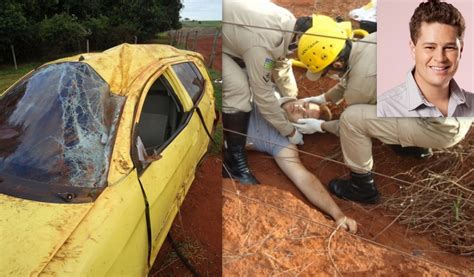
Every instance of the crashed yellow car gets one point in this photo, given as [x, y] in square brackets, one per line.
[97, 152]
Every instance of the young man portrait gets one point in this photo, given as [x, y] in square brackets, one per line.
[436, 46]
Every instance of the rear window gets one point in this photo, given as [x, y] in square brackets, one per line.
[57, 130]
[191, 78]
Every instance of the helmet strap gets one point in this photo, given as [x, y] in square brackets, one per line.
[294, 42]
[343, 57]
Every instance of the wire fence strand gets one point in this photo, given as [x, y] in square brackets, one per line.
[353, 235]
[342, 163]
[295, 32]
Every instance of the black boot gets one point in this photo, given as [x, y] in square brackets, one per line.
[413, 151]
[235, 159]
[360, 188]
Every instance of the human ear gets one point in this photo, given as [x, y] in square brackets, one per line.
[460, 45]
[412, 49]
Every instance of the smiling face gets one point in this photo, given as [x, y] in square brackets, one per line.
[436, 54]
[300, 109]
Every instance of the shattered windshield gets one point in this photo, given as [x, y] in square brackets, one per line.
[57, 129]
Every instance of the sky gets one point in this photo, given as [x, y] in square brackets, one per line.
[202, 9]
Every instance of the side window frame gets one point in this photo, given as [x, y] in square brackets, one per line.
[175, 88]
[195, 70]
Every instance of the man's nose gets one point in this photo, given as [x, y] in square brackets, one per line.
[440, 55]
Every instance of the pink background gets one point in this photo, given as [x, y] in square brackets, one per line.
[393, 37]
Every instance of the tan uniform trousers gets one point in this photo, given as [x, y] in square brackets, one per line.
[359, 123]
[236, 89]
[358, 85]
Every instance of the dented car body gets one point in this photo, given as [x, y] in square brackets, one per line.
[97, 152]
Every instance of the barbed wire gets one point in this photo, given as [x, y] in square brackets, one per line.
[342, 163]
[296, 32]
[332, 228]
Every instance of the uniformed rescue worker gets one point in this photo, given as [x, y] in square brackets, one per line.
[251, 57]
[326, 49]
[359, 122]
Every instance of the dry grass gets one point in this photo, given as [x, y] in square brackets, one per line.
[440, 201]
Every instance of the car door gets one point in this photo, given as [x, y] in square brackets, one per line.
[168, 142]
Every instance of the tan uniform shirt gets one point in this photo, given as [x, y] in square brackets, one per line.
[359, 122]
[263, 52]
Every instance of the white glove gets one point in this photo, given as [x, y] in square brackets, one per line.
[320, 99]
[296, 138]
[309, 125]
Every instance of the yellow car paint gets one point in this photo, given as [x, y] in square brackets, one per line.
[32, 232]
[109, 237]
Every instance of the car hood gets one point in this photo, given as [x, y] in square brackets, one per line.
[32, 232]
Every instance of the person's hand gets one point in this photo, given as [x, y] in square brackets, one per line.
[309, 125]
[320, 99]
[296, 138]
[347, 224]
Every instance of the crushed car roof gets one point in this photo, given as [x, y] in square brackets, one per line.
[122, 64]
[127, 68]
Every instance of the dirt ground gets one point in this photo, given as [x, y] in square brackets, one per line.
[272, 229]
[197, 227]
[204, 46]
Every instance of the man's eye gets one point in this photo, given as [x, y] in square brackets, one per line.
[429, 47]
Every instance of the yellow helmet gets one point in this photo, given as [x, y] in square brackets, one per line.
[320, 45]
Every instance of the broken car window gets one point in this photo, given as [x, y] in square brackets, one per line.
[191, 78]
[57, 128]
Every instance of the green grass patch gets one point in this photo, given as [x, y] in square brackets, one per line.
[202, 24]
[9, 75]
[202, 27]
[216, 75]
[218, 137]
[161, 38]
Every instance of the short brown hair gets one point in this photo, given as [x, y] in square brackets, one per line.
[436, 11]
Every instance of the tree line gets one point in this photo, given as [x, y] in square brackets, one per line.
[48, 27]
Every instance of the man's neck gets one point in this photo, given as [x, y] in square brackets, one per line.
[436, 95]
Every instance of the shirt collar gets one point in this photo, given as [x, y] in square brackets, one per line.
[415, 100]
[457, 94]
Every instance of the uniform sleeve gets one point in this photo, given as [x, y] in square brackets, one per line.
[260, 63]
[284, 78]
[336, 93]
[359, 84]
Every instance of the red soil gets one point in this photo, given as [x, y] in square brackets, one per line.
[271, 229]
[204, 46]
[197, 227]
